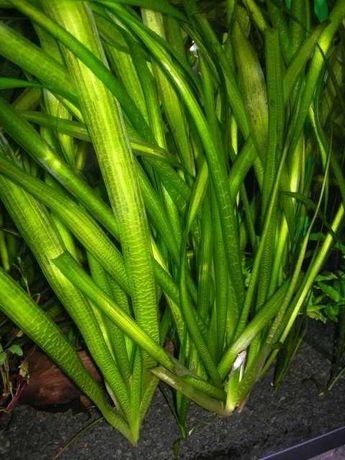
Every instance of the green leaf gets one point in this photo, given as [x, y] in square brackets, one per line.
[321, 9]
[330, 292]
[252, 84]
[45, 333]
[91, 61]
[326, 277]
[266, 313]
[316, 313]
[191, 392]
[16, 349]
[70, 268]
[79, 131]
[19, 50]
[3, 358]
[26, 136]
[217, 168]
[163, 6]
[37, 228]
[300, 60]
[10, 83]
[74, 217]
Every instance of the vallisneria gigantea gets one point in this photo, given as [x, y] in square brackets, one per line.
[211, 169]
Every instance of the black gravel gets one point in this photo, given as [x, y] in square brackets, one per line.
[272, 420]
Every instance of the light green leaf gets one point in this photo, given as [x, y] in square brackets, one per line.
[3, 358]
[16, 349]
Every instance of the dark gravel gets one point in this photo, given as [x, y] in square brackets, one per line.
[272, 420]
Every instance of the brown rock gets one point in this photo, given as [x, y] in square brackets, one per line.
[48, 385]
